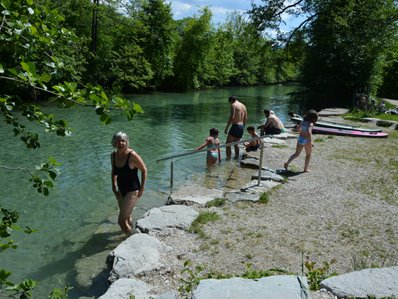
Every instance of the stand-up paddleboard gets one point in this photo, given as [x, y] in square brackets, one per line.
[329, 124]
[353, 133]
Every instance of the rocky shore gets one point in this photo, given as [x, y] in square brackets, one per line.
[342, 214]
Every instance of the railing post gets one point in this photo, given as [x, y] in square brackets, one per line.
[171, 175]
[260, 166]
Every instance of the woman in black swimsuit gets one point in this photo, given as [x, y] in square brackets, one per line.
[125, 183]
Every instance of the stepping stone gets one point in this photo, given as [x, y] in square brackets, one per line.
[167, 217]
[375, 282]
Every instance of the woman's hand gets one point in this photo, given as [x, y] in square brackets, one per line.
[118, 194]
[140, 192]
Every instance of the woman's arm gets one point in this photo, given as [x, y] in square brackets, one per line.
[139, 163]
[114, 177]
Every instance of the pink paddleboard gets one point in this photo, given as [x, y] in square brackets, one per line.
[353, 133]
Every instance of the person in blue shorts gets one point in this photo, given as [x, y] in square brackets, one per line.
[304, 140]
[237, 120]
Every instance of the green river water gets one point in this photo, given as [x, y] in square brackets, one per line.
[82, 200]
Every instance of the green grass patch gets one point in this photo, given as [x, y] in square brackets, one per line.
[264, 198]
[252, 273]
[358, 115]
[203, 218]
[218, 202]
[279, 146]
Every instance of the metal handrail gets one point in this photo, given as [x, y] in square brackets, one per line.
[215, 147]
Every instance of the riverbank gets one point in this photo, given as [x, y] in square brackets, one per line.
[343, 212]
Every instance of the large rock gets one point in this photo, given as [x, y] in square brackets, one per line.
[125, 288]
[378, 283]
[138, 254]
[194, 194]
[251, 191]
[251, 163]
[90, 269]
[273, 287]
[269, 175]
[166, 217]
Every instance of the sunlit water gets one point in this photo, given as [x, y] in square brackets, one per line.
[172, 123]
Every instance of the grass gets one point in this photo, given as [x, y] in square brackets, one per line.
[203, 218]
[358, 115]
[279, 146]
[264, 198]
[218, 202]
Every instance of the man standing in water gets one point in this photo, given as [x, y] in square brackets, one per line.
[237, 120]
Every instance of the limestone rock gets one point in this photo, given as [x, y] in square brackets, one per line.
[166, 217]
[138, 254]
[378, 283]
[125, 287]
[272, 287]
[194, 194]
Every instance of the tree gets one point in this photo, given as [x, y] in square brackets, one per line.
[192, 50]
[158, 38]
[247, 50]
[37, 56]
[347, 42]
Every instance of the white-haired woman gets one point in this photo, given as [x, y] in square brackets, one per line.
[125, 183]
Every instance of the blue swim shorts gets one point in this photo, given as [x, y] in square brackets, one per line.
[236, 130]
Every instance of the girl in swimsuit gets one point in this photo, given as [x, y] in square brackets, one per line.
[305, 139]
[213, 154]
[125, 183]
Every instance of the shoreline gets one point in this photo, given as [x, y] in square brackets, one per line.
[331, 215]
[338, 214]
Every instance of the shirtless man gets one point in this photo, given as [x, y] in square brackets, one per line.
[273, 125]
[237, 120]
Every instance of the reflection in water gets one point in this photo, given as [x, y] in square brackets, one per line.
[71, 219]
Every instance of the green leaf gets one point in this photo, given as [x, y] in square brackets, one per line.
[106, 119]
[29, 67]
[1, 69]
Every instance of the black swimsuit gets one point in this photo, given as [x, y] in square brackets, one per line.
[127, 178]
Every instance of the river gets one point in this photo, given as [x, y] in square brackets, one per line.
[171, 124]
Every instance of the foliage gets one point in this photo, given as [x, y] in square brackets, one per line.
[158, 38]
[59, 293]
[203, 218]
[190, 279]
[40, 59]
[316, 274]
[348, 45]
[192, 51]
[251, 273]
[264, 198]
[216, 202]
[7, 226]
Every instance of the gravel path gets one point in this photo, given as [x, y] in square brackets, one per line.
[344, 212]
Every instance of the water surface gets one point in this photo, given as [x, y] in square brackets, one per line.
[172, 123]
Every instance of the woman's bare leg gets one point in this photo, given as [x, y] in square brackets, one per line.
[126, 206]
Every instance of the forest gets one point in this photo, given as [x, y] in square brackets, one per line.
[341, 47]
[92, 52]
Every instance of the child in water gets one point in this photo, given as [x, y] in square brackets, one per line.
[254, 144]
[305, 139]
[213, 154]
